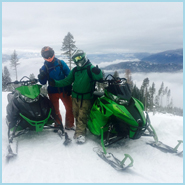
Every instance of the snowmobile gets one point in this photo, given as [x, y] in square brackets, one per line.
[116, 115]
[29, 110]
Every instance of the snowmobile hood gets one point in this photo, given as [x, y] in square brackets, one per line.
[30, 91]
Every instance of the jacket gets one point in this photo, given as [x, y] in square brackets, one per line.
[83, 85]
[53, 71]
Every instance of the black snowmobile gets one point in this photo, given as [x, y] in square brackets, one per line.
[116, 115]
[29, 110]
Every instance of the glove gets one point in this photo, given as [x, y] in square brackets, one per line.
[42, 75]
[68, 90]
[51, 82]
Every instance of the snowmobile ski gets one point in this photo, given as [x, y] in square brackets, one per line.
[114, 162]
[12, 150]
[165, 148]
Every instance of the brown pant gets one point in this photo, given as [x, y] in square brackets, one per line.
[81, 113]
[67, 101]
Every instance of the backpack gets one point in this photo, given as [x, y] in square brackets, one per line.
[66, 89]
[90, 76]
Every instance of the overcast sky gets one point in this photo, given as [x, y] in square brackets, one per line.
[97, 27]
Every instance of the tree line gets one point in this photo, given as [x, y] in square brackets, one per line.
[154, 100]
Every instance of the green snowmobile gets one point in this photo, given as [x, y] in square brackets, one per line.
[29, 110]
[116, 115]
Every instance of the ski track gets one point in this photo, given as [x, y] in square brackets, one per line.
[42, 157]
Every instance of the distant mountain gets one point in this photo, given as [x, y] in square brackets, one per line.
[97, 58]
[167, 61]
[144, 66]
[171, 56]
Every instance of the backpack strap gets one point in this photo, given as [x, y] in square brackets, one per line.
[90, 76]
[89, 72]
[61, 67]
[59, 64]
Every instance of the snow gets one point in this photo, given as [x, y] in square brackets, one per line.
[42, 157]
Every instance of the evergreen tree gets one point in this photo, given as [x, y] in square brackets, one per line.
[116, 74]
[170, 108]
[161, 92]
[14, 62]
[168, 97]
[68, 46]
[157, 102]
[136, 92]
[128, 76]
[6, 79]
[32, 76]
[144, 91]
[152, 92]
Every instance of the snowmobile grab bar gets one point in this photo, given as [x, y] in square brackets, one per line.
[27, 82]
[115, 80]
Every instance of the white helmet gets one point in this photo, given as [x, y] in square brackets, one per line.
[79, 57]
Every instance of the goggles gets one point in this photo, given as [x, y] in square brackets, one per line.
[49, 59]
[78, 58]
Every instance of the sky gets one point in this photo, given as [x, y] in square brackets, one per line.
[97, 27]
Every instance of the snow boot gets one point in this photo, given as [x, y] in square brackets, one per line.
[80, 139]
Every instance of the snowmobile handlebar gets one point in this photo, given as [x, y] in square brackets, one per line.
[24, 82]
[115, 80]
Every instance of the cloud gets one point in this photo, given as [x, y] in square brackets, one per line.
[96, 26]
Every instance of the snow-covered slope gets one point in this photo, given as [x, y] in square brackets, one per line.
[42, 157]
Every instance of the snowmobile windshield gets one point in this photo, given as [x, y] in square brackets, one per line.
[122, 91]
[116, 99]
[30, 91]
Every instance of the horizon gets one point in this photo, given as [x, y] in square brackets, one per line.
[38, 52]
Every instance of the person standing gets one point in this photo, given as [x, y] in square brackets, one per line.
[83, 78]
[56, 69]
